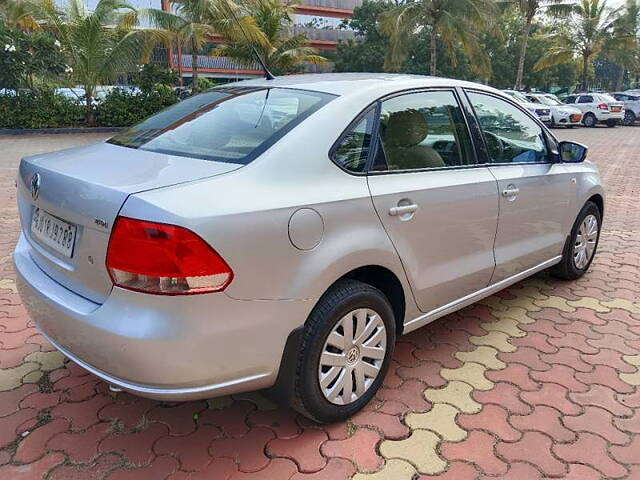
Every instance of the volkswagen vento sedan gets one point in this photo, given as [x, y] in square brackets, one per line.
[283, 233]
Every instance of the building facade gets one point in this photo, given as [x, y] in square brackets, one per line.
[317, 19]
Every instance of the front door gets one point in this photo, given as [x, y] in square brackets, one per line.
[534, 191]
[439, 207]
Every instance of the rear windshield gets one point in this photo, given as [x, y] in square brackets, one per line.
[232, 124]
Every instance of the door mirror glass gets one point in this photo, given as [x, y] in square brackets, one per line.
[571, 152]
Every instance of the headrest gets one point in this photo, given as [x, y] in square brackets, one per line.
[406, 128]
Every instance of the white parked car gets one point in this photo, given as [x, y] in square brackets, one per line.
[631, 106]
[561, 114]
[542, 112]
[597, 108]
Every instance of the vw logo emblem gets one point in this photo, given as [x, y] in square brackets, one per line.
[35, 186]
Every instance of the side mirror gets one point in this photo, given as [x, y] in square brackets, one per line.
[571, 152]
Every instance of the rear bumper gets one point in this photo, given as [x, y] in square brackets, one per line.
[163, 347]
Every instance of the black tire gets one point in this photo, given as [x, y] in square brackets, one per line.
[567, 269]
[629, 118]
[345, 296]
[589, 120]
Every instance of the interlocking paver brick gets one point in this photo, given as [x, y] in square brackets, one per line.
[34, 470]
[441, 419]
[277, 468]
[454, 393]
[533, 447]
[360, 448]
[31, 447]
[160, 467]
[599, 421]
[478, 448]
[601, 396]
[248, 451]
[304, 449]
[505, 395]
[336, 469]
[390, 426]
[515, 373]
[492, 419]
[192, 450]
[136, 447]
[591, 450]
[546, 420]
[419, 449]
[80, 447]
[180, 418]
[394, 468]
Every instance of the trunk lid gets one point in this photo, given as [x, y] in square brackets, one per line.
[86, 187]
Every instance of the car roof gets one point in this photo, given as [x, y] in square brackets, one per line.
[357, 83]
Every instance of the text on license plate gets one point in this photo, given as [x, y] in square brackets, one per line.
[53, 232]
[616, 109]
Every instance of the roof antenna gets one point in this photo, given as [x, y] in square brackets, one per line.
[267, 74]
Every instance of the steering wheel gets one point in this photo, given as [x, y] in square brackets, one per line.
[496, 147]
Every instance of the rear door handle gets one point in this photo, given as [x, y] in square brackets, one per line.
[403, 210]
[510, 191]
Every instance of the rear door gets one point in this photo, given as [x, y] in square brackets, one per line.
[439, 207]
[534, 191]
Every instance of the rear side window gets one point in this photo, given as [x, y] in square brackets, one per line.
[422, 130]
[352, 150]
[585, 99]
[570, 99]
[233, 124]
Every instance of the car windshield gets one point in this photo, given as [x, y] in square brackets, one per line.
[232, 124]
[548, 100]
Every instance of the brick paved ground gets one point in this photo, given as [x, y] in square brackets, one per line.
[538, 381]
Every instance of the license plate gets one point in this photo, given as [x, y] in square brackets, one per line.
[53, 232]
[616, 109]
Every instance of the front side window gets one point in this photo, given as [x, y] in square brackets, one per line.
[233, 124]
[570, 99]
[352, 150]
[422, 130]
[585, 99]
[510, 134]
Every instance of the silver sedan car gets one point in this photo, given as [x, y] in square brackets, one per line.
[280, 234]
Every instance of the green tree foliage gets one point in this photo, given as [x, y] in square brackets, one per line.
[364, 54]
[151, 75]
[453, 23]
[26, 57]
[98, 44]
[280, 51]
[39, 109]
[590, 28]
[121, 108]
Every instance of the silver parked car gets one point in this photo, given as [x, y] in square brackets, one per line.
[283, 233]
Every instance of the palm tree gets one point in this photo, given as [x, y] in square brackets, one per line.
[590, 28]
[280, 51]
[17, 14]
[97, 44]
[194, 22]
[452, 22]
[624, 48]
[528, 10]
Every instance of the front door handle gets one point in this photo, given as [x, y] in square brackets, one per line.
[403, 210]
[510, 191]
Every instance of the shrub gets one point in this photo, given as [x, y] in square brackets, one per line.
[122, 109]
[39, 109]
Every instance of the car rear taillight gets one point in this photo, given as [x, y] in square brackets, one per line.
[163, 259]
[603, 106]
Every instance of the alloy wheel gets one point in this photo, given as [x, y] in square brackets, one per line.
[352, 356]
[585, 243]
